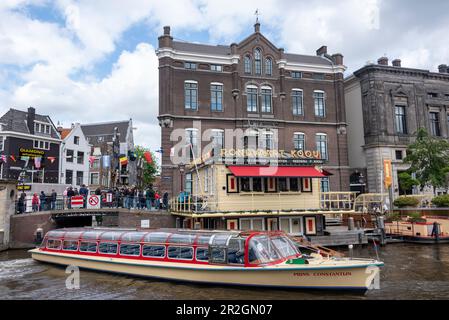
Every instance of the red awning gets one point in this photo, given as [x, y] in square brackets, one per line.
[261, 171]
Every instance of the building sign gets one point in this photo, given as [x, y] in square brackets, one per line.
[282, 157]
[31, 153]
[388, 180]
[77, 201]
[25, 187]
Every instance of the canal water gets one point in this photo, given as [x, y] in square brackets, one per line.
[410, 272]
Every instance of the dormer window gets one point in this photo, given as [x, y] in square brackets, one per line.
[190, 65]
[42, 128]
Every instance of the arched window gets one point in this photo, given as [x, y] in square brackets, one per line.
[268, 67]
[251, 98]
[320, 103]
[299, 141]
[191, 95]
[266, 93]
[257, 61]
[191, 136]
[297, 102]
[321, 145]
[248, 64]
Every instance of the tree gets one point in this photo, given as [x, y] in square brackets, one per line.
[149, 170]
[429, 159]
[406, 182]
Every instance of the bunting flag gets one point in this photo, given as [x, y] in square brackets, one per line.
[4, 158]
[92, 160]
[52, 159]
[13, 158]
[25, 158]
[123, 161]
[37, 162]
[106, 161]
[148, 157]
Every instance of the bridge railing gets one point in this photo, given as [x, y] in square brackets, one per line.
[64, 203]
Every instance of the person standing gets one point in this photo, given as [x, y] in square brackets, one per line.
[165, 200]
[53, 198]
[157, 200]
[42, 197]
[150, 197]
[70, 194]
[35, 202]
[85, 193]
[21, 203]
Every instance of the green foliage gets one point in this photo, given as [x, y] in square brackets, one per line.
[403, 202]
[150, 170]
[393, 217]
[441, 201]
[406, 182]
[429, 159]
[416, 217]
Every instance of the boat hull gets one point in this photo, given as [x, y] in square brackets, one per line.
[357, 277]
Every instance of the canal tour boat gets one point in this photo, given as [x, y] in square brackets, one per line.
[251, 258]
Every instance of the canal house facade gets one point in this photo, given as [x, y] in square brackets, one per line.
[385, 107]
[29, 146]
[296, 100]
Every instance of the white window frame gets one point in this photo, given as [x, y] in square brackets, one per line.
[302, 102]
[185, 97]
[304, 143]
[251, 222]
[263, 107]
[327, 144]
[257, 97]
[217, 84]
[37, 144]
[2, 143]
[315, 105]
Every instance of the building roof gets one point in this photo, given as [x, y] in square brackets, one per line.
[301, 58]
[104, 132]
[65, 132]
[16, 121]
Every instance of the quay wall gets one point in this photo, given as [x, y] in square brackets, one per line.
[23, 227]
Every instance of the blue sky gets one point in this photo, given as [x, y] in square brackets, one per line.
[92, 61]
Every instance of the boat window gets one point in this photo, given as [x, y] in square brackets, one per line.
[88, 247]
[236, 251]
[91, 235]
[70, 245]
[130, 249]
[55, 234]
[284, 246]
[180, 253]
[133, 236]
[261, 250]
[53, 244]
[73, 235]
[221, 239]
[218, 255]
[182, 238]
[153, 251]
[107, 248]
[111, 235]
[156, 237]
[203, 239]
[202, 254]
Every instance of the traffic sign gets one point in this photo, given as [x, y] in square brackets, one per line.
[93, 202]
[77, 201]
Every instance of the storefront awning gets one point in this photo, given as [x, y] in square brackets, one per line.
[263, 171]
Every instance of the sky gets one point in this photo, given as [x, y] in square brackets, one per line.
[94, 60]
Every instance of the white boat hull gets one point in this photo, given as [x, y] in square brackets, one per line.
[327, 274]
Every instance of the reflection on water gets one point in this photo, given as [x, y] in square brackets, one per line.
[410, 272]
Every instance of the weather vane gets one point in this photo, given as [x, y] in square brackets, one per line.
[257, 15]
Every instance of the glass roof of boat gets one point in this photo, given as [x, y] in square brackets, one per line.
[156, 236]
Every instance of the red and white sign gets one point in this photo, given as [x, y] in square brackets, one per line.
[93, 202]
[77, 201]
[109, 197]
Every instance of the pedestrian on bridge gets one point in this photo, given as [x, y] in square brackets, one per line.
[35, 202]
[53, 198]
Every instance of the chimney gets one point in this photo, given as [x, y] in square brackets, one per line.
[383, 61]
[31, 116]
[443, 68]
[397, 63]
[321, 51]
[338, 59]
[166, 41]
[257, 27]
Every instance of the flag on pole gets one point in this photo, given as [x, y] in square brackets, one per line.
[37, 162]
[92, 160]
[148, 157]
[388, 180]
[52, 159]
[123, 160]
[106, 161]
[13, 158]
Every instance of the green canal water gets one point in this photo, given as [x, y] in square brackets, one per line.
[410, 272]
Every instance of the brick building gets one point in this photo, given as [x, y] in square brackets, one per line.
[385, 106]
[251, 85]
